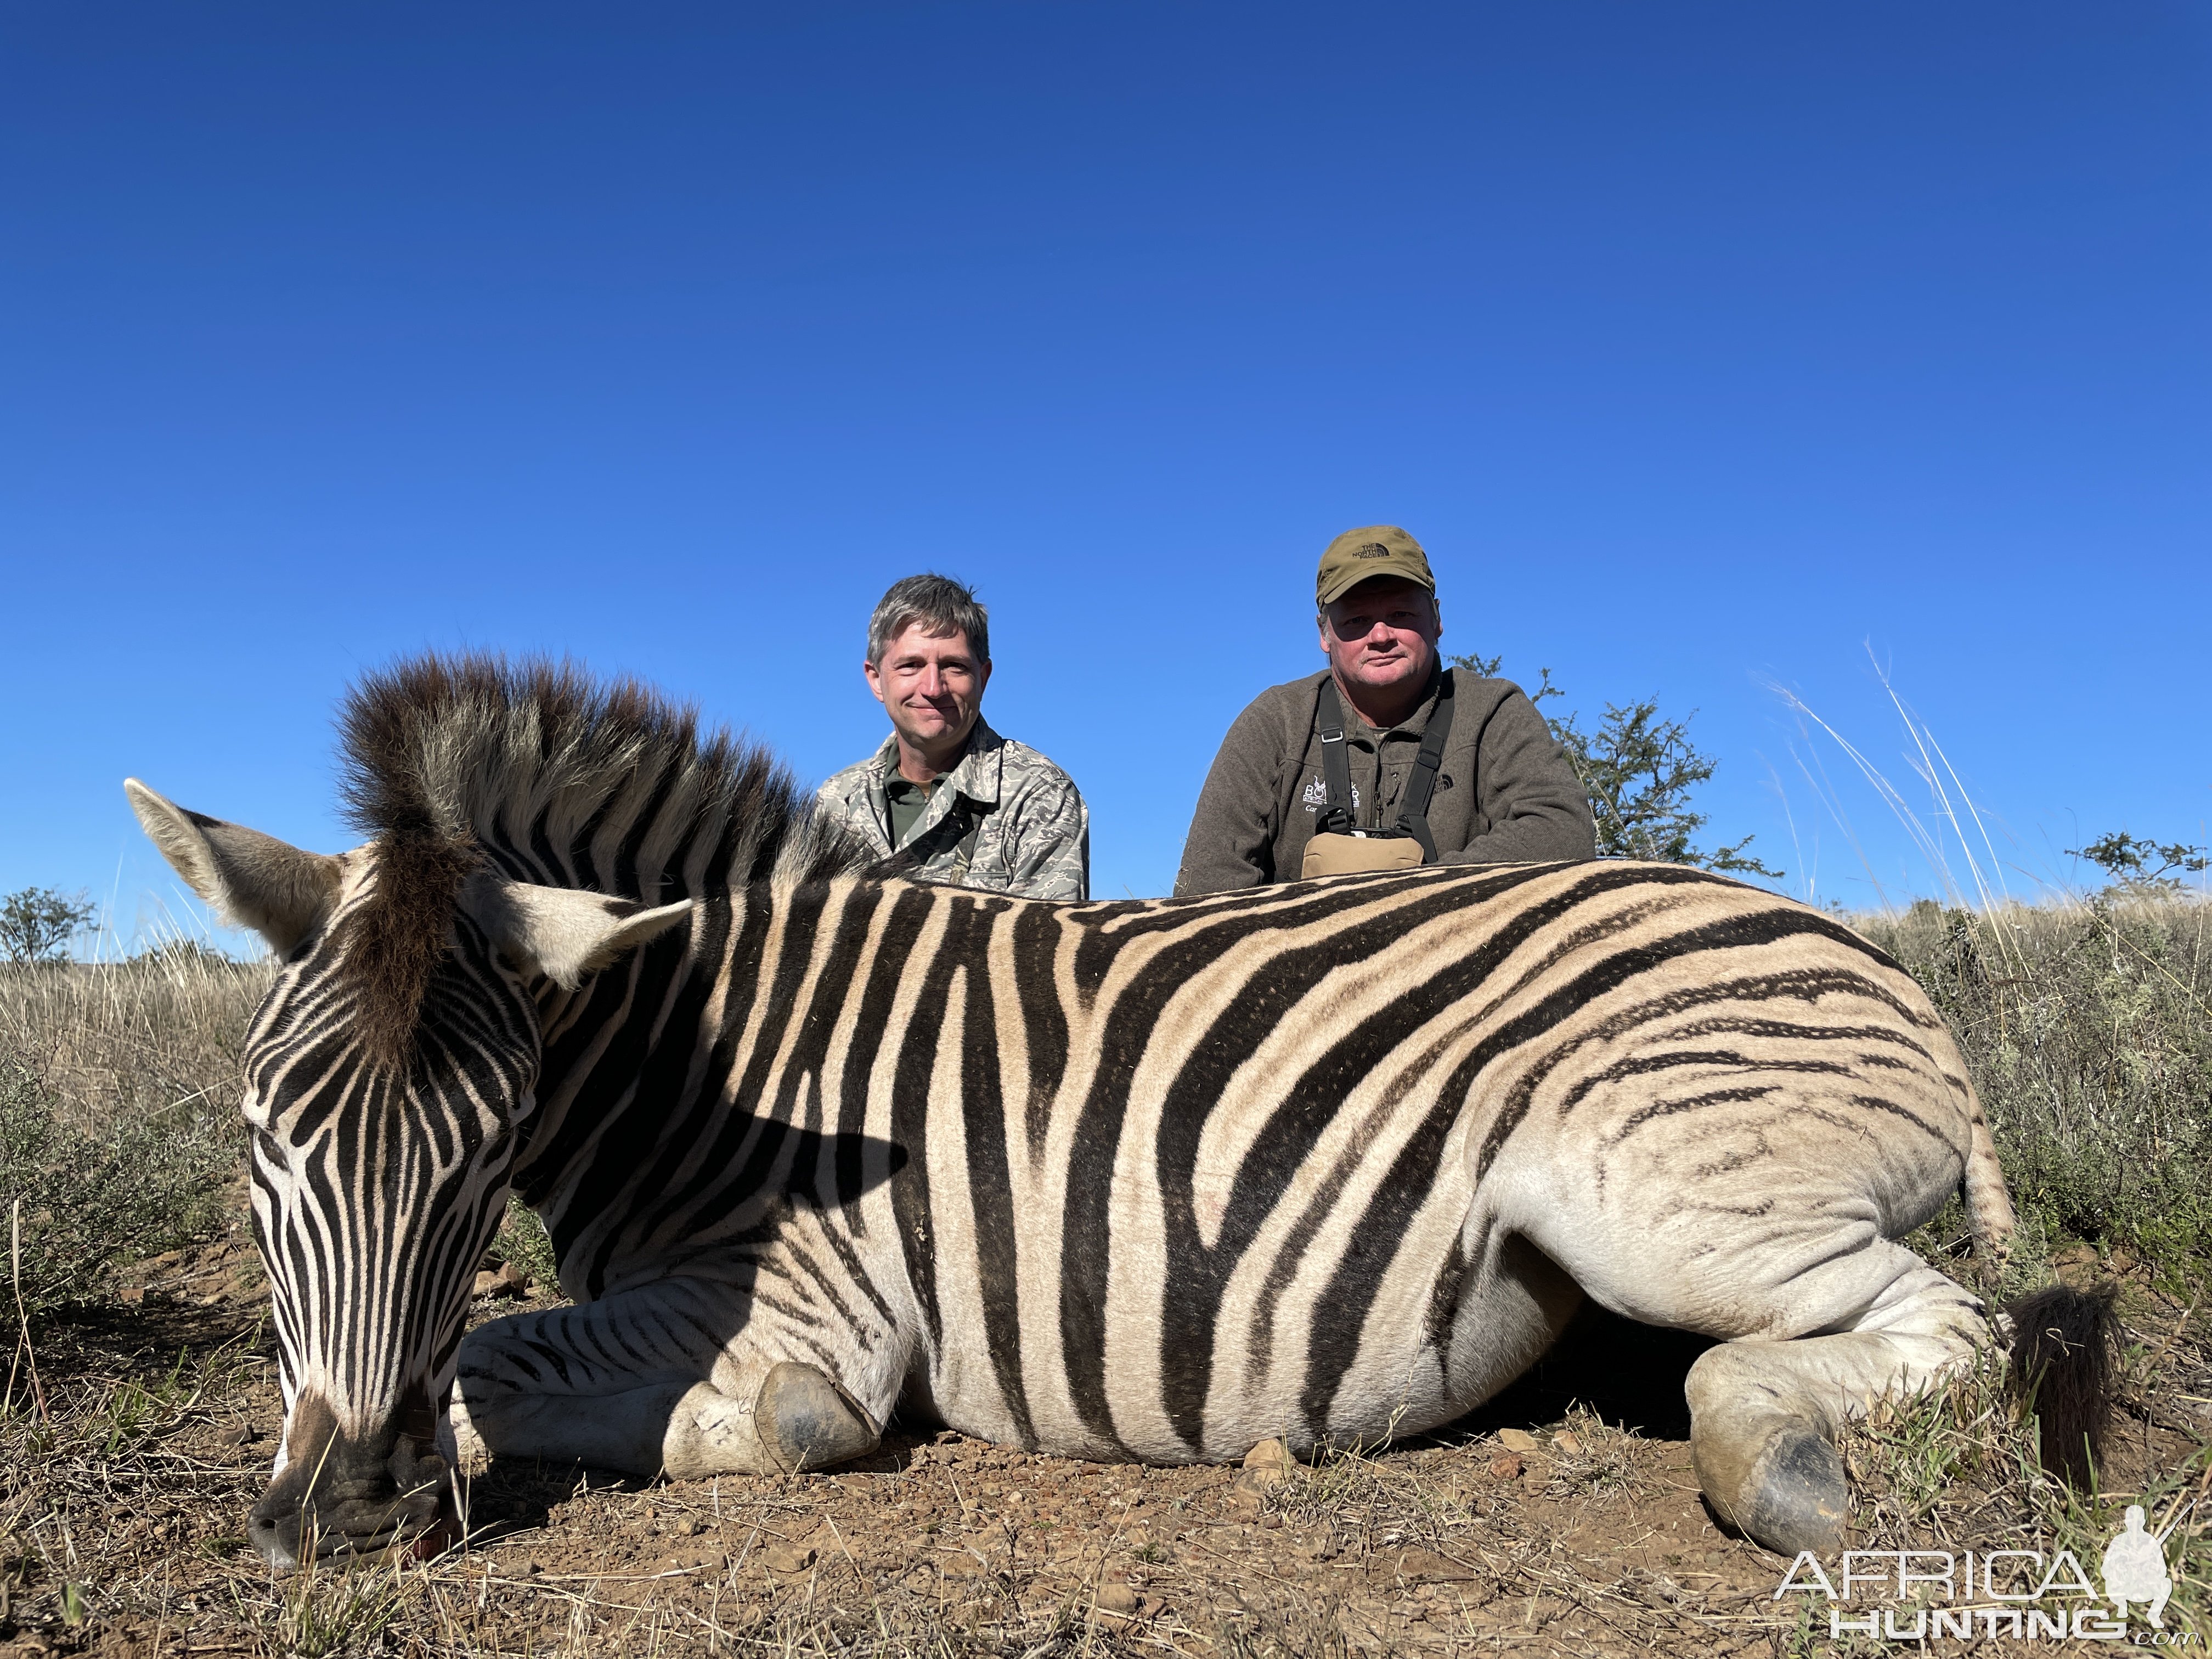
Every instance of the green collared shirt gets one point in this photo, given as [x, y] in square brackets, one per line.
[906, 801]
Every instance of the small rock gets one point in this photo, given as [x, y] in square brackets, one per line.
[1268, 1454]
[1506, 1466]
[1519, 1440]
[132, 1295]
[1116, 1598]
[1568, 1443]
[507, 1281]
[690, 1525]
[531, 1569]
[788, 1557]
[1249, 1494]
[1271, 1521]
[241, 1434]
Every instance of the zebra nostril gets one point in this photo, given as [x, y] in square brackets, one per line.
[270, 1544]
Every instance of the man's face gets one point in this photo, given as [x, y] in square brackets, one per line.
[930, 685]
[1382, 634]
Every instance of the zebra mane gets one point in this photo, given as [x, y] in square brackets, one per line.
[557, 778]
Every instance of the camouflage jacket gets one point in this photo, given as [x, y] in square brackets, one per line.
[1005, 819]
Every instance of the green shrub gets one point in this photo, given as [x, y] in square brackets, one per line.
[83, 1201]
[523, 1240]
[2087, 1033]
[2142, 868]
[1637, 771]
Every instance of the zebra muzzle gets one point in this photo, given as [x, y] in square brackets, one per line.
[342, 1495]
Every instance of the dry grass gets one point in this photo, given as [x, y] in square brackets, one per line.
[120, 1131]
[1955, 1470]
[157, 1035]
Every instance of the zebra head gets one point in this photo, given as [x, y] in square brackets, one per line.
[389, 1074]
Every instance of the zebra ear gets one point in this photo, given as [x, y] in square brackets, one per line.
[255, 880]
[561, 933]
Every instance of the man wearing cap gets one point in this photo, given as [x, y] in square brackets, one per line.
[967, 807]
[1389, 758]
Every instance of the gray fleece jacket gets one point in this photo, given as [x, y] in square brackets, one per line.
[1506, 793]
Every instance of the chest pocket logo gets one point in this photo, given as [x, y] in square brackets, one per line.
[1317, 795]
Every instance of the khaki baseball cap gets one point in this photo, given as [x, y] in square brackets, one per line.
[1375, 550]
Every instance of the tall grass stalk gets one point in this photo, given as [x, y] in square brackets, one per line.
[2086, 1019]
[1985, 888]
[159, 1033]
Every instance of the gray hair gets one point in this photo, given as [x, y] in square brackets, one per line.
[939, 604]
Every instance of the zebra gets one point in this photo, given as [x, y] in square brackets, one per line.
[1146, 1180]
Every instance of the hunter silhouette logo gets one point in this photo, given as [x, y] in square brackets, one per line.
[2135, 1569]
[2015, 1593]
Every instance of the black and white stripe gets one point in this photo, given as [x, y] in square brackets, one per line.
[1111, 1173]
[1151, 1180]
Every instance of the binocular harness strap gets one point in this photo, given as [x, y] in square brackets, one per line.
[1336, 816]
[1336, 771]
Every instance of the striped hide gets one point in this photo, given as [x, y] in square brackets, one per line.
[1150, 1180]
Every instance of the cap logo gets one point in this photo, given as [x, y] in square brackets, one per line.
[1372, 550]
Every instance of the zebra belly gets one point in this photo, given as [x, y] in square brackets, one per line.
[1447, 1333]
[1738, 1203]
[1197, 1355]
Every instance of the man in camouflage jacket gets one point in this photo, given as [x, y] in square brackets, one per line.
[965, 804]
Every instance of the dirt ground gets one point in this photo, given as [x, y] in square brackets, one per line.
[1564, 1518]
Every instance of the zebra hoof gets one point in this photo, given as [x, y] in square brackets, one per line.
[1796, 1498]
[459, 1438]
[805, 1421]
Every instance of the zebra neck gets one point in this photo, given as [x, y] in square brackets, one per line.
[682, 1093]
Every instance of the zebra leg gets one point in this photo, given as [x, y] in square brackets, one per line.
[621, 1431]
[646, 1380]
[795, 1420]
[1764, 1414]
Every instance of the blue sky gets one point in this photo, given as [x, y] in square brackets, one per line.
[1706, 347]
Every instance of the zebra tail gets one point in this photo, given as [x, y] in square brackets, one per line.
[1989, 1206]
[2061, 1371]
